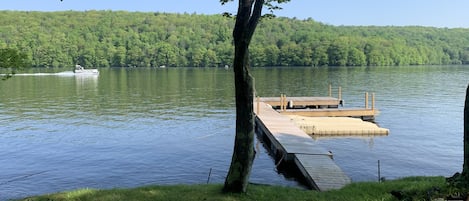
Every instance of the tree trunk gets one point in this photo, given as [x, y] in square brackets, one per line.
[249, 12]
[465, 169]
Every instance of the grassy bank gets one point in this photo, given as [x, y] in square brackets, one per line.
[416, 188]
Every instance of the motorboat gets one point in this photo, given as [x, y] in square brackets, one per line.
[80, 70]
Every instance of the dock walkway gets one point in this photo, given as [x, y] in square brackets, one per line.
[291, 144]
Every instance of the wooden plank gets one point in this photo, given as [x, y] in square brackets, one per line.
[288, 137]
[296, 144]
[323, 172]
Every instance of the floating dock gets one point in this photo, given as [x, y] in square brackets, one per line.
[289, 143]
[337, 126]
[287, 125]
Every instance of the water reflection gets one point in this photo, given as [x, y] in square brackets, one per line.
[169, 126]
[87, 79]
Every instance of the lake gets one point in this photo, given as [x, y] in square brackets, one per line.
[143, 126]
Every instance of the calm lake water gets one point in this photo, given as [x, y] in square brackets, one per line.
[134, 127]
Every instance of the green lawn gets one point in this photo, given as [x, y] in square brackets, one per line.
[415, 188]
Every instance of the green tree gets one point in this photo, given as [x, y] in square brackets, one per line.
[319, 55]
[338, 53]
[289, 54]
[96, 38]
[12, 59]
[167, 54]
[119, 57]
[197, 56]
[271, 55]
[211, 59]
[356, 57]
[257, 56]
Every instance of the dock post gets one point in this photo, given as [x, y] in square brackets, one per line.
[281, 102]
[373, 101]
[284, 102]
[258, 104]
[330, 90]
[366, 100]
[340, 93]
[379, 171]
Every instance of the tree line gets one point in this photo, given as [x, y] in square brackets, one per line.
[143, 39]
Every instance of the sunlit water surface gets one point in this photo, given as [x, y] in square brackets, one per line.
[134, 127]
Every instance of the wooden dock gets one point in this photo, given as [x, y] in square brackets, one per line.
[319, 107]
[290, 144]
[287, 126]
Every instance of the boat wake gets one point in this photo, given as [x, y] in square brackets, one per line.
[64, 73]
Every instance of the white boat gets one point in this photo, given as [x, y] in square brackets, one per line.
[82, 71]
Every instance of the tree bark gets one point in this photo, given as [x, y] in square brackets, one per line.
[248, 15]
[465, 170]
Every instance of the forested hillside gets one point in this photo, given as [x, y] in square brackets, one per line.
[122, 39]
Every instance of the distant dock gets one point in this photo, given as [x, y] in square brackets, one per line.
[287, 126]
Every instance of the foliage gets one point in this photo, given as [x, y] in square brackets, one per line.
[415, 188]
[122, 39]
[12, 59]
[457, 184]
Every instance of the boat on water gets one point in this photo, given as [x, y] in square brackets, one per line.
[80, 70]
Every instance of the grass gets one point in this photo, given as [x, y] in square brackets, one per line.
[414, 188]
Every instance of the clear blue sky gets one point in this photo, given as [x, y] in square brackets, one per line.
[436, 13]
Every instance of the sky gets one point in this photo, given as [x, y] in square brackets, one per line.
[435, 13]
